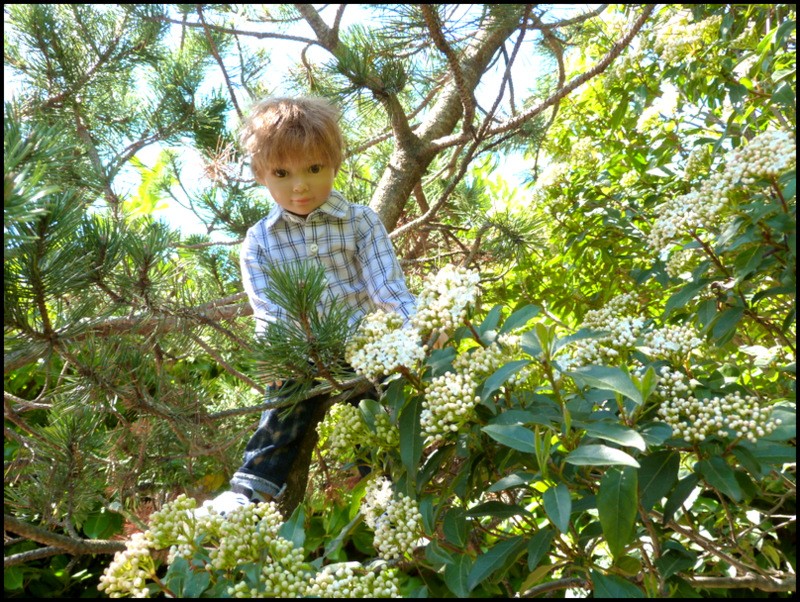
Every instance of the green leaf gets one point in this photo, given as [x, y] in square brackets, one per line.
[496, 380]
[616, 506]
[558, 506]
[725, 323]
[718, 473]
[411, 437]
[494, 559]
[294, 529]
[512, 435]
[672, 562]
[491, 320]
[196, 583]
[616, 433]
[456, 574]
[683, 296]
[611, 586]
[12, 578]
[679, 495]
[657, 475]
[103, 525]
[516, 479]
[604, 377]
[538, 546]
[454, 527]
[519, 318]
[497, 510]
[600, 455]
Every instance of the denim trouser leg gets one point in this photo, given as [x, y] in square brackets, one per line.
[271, 451]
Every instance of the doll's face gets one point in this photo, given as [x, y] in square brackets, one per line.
[300, 186]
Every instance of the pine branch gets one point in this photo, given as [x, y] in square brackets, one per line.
[76, 547]
[146, 324]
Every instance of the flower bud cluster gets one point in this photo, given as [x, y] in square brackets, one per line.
[680, 39]
[250, 535]
[443, 302]
[284, 573]
[344, 430]
[449, 401]
[394, 517]
[687, 213]
[768, 155]
[671, 341]
[128, 573]
[351, 580]
[381, 345]
[695, 419]
[450, 398]
[244, 534]
[620, 334]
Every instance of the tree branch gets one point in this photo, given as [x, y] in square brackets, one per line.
[76, 547]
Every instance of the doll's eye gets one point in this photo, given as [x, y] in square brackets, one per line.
[315, 168]
[279, 173]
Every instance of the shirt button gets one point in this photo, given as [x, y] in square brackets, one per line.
[312, 250]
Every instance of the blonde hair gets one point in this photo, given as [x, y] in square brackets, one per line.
[283, 130]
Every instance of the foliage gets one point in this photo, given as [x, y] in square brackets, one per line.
[613, 410]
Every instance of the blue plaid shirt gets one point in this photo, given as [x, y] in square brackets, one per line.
[349, 242]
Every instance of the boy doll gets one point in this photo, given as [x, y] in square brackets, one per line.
[296, 148]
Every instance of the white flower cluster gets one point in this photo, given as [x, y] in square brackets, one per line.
[687, 213]
[621, 331]
[449, 401]
[351, 580]
[247, 535]
[128, 573]
[394, 517]
[442, 304]
[344, 429]
[671, 341]
[680, 39]
[695, 419]
[381, 345]
[768, 155]
[450, 398]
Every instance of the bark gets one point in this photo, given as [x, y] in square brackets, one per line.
[410, 159]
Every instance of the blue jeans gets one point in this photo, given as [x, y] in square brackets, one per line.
[272, 450]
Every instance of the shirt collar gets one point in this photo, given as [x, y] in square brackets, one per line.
[335, 206]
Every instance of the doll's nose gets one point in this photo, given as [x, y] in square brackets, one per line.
[300, 186]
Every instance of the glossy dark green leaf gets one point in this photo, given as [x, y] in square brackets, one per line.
[495, 558]
[519, 318]
[605, 377]
[294, 529]
[600, 455]
[456, 573]
[538, 546]
[611, 586]
[499, 378]
[411, 441]
[558, 506]
[617, 507]
[616, 433]
[719, 474]
[512, 435]
[658, 474]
